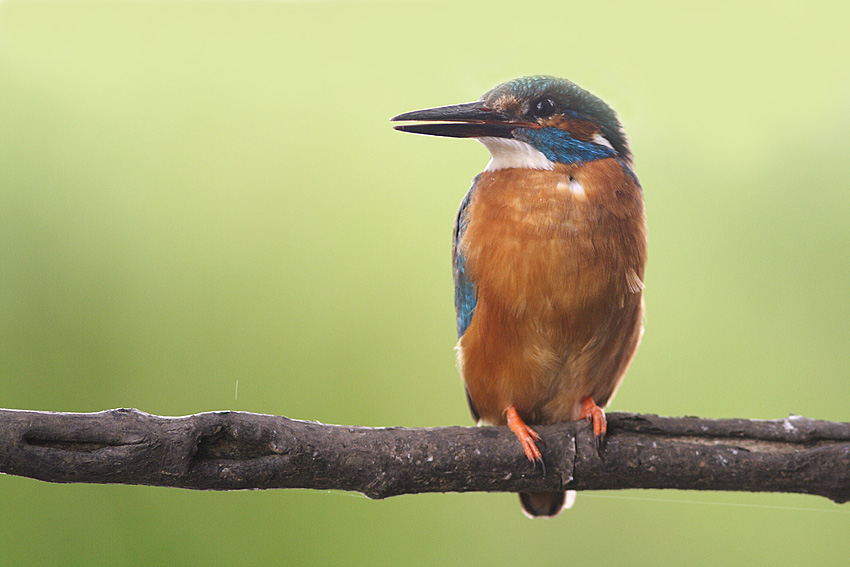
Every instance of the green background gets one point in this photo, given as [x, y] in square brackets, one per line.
[198, 194]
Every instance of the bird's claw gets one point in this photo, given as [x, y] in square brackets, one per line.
[528, 438]
[596, 416]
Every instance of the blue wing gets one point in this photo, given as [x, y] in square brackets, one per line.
[465, 294]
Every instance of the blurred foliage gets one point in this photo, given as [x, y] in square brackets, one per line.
[199, 200]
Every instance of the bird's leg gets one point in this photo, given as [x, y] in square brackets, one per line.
[526, 435]
[594, 414]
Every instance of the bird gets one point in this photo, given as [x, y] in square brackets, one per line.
[549, 250]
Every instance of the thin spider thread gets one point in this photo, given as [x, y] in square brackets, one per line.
[733, 504]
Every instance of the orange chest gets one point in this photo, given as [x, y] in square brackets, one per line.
[554, 238]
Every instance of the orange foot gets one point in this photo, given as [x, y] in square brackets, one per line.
[594, 413]
[526, 435]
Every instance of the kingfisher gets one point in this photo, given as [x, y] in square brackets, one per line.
[548, 253]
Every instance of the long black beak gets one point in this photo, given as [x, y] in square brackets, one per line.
[469, 120]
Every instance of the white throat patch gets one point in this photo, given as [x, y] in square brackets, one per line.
[506, 153]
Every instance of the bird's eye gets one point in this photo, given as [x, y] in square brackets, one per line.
[543, 107]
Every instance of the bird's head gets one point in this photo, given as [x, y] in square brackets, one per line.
[531, 122]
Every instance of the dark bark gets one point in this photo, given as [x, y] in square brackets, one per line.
[236, 450]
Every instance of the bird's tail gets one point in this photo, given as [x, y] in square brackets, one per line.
[546, 504]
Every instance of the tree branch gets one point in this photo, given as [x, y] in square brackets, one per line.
[237, 450]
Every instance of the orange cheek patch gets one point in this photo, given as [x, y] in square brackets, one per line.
[578, 129]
